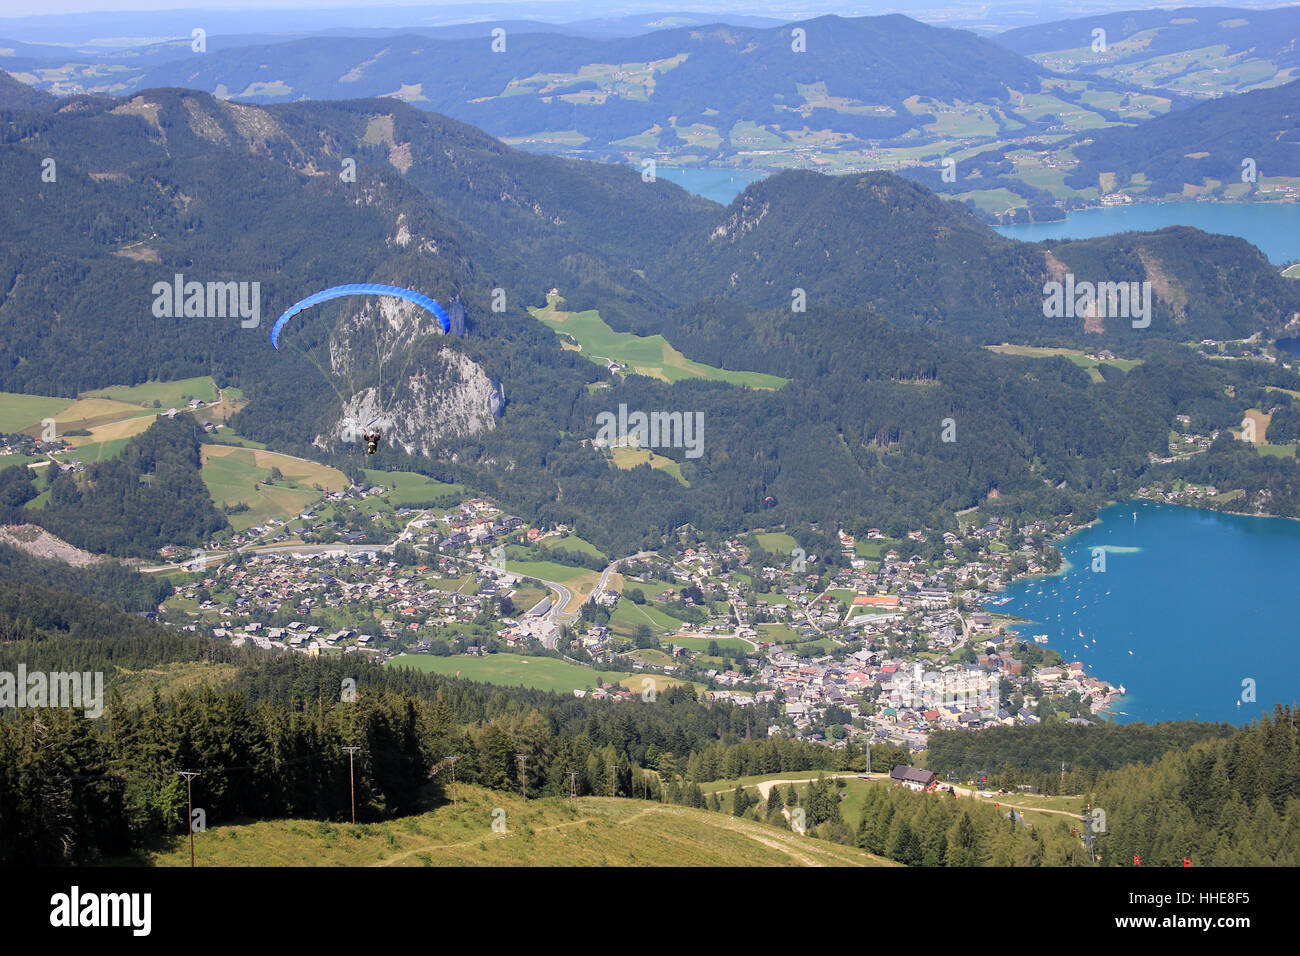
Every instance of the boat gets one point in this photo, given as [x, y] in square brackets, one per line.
[1040, 638]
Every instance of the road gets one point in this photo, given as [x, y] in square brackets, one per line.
[604, 575]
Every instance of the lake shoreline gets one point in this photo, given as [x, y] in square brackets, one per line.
[1168, 630]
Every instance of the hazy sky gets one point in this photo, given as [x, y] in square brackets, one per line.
[21, 8]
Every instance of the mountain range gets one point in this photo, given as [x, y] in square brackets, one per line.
[900, 289]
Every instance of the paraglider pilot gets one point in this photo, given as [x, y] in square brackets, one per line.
[372, 436]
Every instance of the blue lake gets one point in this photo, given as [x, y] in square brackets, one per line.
[720, 185]
[1204, 603]
[1274, 228]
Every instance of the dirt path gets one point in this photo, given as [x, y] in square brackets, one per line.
[502, 836]
[805, 855]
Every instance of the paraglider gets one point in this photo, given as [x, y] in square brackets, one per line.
[362, 288]
[371, 434]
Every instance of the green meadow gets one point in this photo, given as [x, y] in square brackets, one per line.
[646, 355]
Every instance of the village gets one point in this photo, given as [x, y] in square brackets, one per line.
[896, 640]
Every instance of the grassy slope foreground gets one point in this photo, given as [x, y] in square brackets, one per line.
[589, 831]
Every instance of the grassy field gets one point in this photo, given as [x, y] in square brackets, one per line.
[409, 487]
[776, 634]
[776, 542]
[24, 411]
[571, 542]
[1292, 272]
[512, 670]
[728, 645]
[230, 472]
[1076, 356]
[627, 458]
[627, 616]
[646, 355]
[175, 394]
[550, 571]
[552, 831]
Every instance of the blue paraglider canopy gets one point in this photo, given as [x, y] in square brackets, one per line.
[363, 288]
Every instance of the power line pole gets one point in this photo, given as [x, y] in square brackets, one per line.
[352, 781]
[573, 784]
[453, 758]
[189, 776]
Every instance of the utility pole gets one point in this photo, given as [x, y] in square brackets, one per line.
[523, 775]
[352, 781]
[613, 783]
[573, 784]
[452, 759]
[189, 776]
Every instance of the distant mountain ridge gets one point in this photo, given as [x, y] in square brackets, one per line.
[1209, 142]
[1179, 48]
[717, 74]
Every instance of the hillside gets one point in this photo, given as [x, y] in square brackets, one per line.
[1202, 147]
[19, 96]
[898, 283]
[554, 831]
[1203, 51]
[876, 240]
[836, 93]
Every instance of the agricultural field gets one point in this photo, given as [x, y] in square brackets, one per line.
[231, 472]
[644, 355]
[588, 831]
[649, 587]
[20, 412]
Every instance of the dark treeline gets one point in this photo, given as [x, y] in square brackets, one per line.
[1032, 756]
[108, 581]
[75, 792]
[1228, 802]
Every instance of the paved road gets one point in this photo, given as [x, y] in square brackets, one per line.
[604, 575]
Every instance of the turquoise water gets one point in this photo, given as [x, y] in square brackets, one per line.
[720, 185]
[1274, 228]
[1206, 602]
